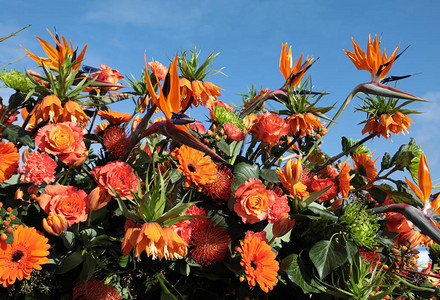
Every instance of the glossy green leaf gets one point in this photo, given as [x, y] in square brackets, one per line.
[327, 256]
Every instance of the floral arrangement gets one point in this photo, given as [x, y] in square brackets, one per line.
[101, 204]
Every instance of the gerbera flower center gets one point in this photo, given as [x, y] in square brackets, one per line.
[16, 256]
[191, 168]
[253, 264]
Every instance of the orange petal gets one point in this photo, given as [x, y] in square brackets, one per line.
[424, 178]
[415, 189]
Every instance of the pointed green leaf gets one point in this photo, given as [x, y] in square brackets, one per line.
[327, 256]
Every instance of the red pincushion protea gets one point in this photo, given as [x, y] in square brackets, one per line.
[116, 140]
[221, 187]
[209, 242]
[95, 289]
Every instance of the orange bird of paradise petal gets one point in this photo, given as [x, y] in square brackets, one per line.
[170, 104]
[56, 55]
[373, 61]
[293, 75]
[423, 191]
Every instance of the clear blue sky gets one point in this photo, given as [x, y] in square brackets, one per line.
[249, 35]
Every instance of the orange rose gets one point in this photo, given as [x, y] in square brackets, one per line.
[252, 201]
[107, 75]
[269, 127]
[62, 139]
[66, 201]
[119, 175]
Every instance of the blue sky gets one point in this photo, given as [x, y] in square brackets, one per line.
[249, 35]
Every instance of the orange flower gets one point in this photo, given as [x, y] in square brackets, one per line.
[49, 109]
[101, 127]
[396, 123]
[27, 252]
[252, 201]
[269, 127]
[363, 163]
[131, 234]
[67, 201]
[9, 159]
[114, 117]
[98, 198]
[116, 140]
[62, 139]
[344, 180]
[303, 124]
[106, 75]
[259, 262]
[196, 166]
[159, 69]
[290, 177]
[56, 55]
[159, 242]
[293, 75]
[220, 188]
[119, 175]
[423, 191]
[374, 62]
[38, 168]
[209, 242]
[55, 224]
[72, 112]
[282, 225]
[197, 92]
[95, 289]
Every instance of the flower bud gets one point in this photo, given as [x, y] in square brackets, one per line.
[98, 198]
[55, 224]
[282, 225]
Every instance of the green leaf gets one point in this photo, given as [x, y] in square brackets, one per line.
[345, 144]
[322, 211]
[68, 239]
[242, 172]
[327, 256]
[402, 158]
[89, 267]
[315, 195]
[269, 175]
[174, 212]
[166, 294]
[71, 262]
[298, 274]
[386, 161]
[17, 134]
[351, 249]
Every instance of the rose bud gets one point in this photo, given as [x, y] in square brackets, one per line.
[55, 224]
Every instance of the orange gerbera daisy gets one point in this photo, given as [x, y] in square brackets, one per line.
[344, 180]
[293, 75]
[9, 159]
[303, 124]
[101, 127]
[196, 166]
[27, 252]
[363, 163]
[57, 54]
[259, 262]
[114, 117]
[387, 123]
[374, 62]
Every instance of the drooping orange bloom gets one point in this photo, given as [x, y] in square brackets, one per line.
[49, 109]
[209, 242]
[423, 191]
[56, 55]
[9, 160]
[114, 117]
[28, 251]
[196, 92]
[259, 262]
[72, 112]
[293, 75]
[159, 242]
[374, 62]
[303, 124]
[344, 180]
[290, 177]
[196, 166]
[363, 163]
[397, 123]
